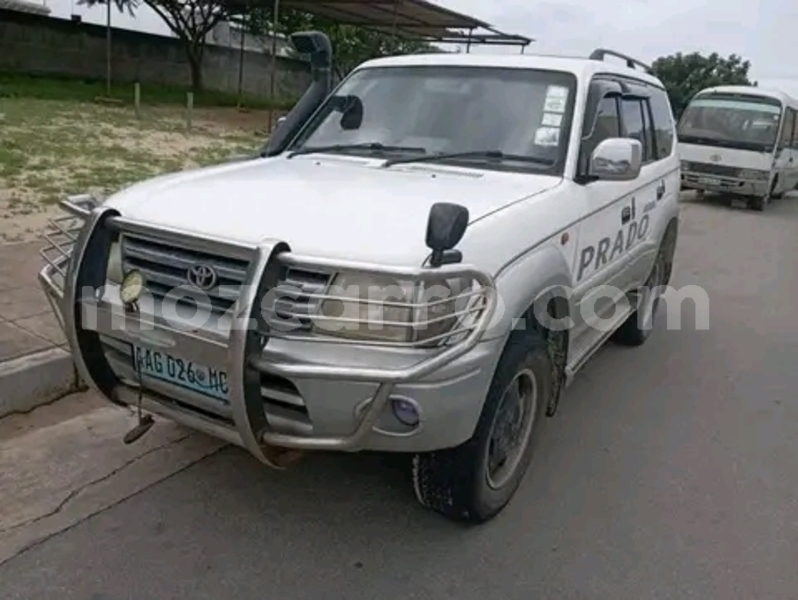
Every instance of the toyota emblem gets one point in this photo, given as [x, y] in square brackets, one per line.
[201, 276]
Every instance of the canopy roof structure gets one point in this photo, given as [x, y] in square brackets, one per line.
[418, 20]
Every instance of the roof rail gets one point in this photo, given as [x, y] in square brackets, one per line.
[600, 53]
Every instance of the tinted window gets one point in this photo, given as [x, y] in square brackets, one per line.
[650, 146]
[663, 122]
[795, 130]
[786, 132]
[607, 124]
[634, 126]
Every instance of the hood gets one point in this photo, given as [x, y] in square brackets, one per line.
[337, 207]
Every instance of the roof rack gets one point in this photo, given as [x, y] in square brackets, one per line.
[600, 53]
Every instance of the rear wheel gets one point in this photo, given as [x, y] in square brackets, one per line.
[474, 481]
[638, 326]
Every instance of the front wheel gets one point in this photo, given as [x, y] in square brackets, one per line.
[759, 204]
[474, 481]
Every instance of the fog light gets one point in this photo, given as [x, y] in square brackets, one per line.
[132, 287]
[406, 411]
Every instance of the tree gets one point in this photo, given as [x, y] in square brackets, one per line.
[684, 75]
[351, 45]
[189, 20]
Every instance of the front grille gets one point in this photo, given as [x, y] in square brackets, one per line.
[165, 267]
[710, 169]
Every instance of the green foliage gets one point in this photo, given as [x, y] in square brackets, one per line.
[351, 45]
[684, 75]
[192, 20]
[189, 20]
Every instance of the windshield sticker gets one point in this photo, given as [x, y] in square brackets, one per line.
[547, 136]
[551, 119]
[556, 96]
[555, 105]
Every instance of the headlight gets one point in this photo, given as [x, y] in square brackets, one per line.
[754, 174]
[685, 165]
[384, 309]
[114, 272]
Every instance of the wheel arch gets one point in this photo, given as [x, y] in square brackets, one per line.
[535, 294]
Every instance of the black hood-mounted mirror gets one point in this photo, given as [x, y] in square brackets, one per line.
[446, 225]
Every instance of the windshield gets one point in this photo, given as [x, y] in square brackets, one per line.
[523, 115]
[745, 122]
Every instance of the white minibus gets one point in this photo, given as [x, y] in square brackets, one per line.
[741, 141]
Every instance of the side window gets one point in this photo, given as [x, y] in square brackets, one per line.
[795, 131]
[663, 123]
[786, 131]
[651, 140]
[634, 125]
[608, 122]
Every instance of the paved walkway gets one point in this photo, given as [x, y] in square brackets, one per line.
[27, 324]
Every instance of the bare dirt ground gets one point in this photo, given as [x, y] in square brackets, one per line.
[51, 149]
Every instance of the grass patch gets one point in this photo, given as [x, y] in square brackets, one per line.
[15, 85]
[53, 148]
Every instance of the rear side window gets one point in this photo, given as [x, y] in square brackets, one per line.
[663, 122]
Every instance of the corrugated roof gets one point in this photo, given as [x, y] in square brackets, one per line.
[22, 6]
[412, 19]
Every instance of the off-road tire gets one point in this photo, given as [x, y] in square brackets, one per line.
[758, 204]
[453, 482]
[633, 332]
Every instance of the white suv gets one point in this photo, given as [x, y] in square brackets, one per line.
[418, 262]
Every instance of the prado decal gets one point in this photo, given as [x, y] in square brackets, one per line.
[592, 258]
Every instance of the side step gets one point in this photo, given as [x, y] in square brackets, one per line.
[593, 341]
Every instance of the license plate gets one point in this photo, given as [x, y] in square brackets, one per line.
[183, 373]
[709, 180]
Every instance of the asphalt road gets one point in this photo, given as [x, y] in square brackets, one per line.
[670, 472]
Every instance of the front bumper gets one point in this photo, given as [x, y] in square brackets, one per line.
[284, 392]
[724, 185]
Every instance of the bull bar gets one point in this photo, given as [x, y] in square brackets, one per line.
[76, 256]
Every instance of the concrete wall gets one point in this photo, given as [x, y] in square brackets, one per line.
[36, 44]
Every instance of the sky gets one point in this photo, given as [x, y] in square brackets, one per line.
[762, 31]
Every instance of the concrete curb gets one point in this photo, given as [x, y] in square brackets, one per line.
[36, 379]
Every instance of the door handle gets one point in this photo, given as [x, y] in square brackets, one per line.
[626, 215]
[660, 190]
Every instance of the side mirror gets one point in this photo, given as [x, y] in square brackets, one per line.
[280, 121]
[446, 226]
[616, 159]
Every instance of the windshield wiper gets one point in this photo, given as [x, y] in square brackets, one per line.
[375, 146]
[489, 154]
